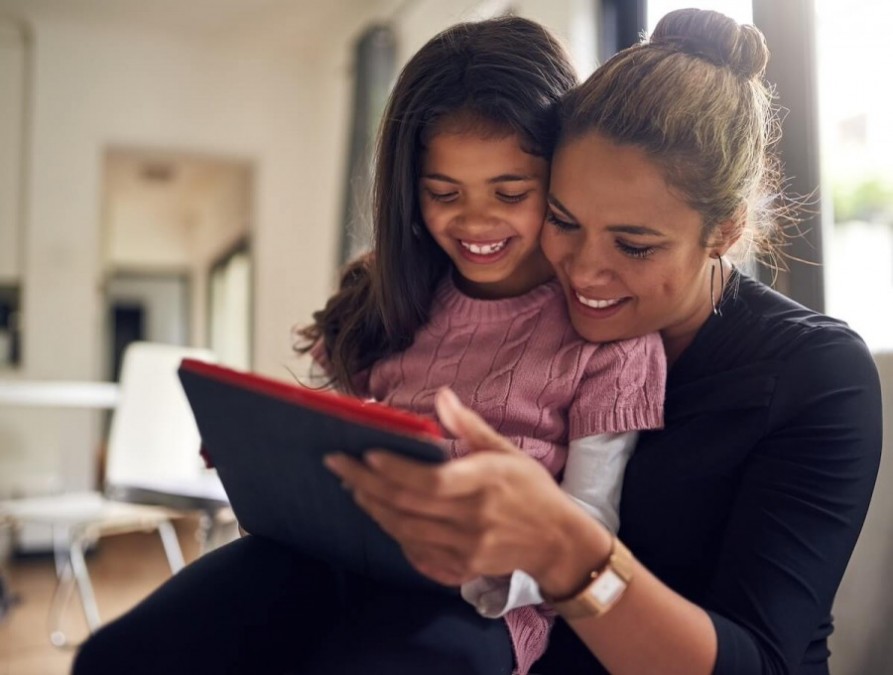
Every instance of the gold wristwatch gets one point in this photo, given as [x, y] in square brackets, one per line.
[602, 590]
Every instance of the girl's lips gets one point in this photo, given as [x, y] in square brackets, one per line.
[495, 250]
[483, 247]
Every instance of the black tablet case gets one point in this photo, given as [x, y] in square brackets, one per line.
[267, 439]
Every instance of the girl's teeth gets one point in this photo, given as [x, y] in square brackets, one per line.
[596, 304]
[484, 249]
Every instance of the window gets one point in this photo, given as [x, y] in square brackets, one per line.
[855, 109]
[740, 10]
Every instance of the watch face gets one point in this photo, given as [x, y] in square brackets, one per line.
[607, 588]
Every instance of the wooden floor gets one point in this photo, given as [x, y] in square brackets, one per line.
[123, 568]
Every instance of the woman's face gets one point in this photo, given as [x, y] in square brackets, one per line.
[626, 248]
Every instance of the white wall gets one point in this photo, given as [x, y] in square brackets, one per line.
[12, 108]
[98, 86]
[572, 21]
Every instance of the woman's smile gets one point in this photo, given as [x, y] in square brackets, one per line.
[603, 308]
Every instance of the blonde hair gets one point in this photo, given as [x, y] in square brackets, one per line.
[693, 97]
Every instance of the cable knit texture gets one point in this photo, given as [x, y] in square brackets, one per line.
[519, 364]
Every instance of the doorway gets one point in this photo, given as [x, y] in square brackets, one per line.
[170, 219]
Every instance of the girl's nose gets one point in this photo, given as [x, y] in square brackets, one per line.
[477, 215]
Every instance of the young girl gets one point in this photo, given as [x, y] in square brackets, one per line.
[457, 293]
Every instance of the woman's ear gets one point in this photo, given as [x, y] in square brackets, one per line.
[727, 233]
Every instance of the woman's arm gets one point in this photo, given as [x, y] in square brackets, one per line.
[799, 505]
[497, 510]
[798, 508]
[592, 477]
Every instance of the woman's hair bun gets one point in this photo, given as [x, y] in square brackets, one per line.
[716, 38]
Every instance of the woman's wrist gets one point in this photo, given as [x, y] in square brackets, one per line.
[580, 545]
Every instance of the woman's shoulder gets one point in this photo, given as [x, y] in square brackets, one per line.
[768, 351]
[760, 324]
[809, 355]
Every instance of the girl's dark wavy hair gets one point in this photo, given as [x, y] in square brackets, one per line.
[504, 76]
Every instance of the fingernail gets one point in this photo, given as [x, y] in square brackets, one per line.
[449, 395]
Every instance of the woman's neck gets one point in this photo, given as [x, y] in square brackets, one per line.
[678, 338]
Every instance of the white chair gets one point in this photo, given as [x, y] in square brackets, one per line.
[152, 466]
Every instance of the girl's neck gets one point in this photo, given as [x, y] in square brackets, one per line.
[537, 272]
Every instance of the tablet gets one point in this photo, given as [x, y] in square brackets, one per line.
[267, 439]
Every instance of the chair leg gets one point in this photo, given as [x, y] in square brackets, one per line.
[207, 531]
[171, 546]
[72, 572]
[7, 598]
[61, 597]
[88, 599]
[65, 583]
[61, 543]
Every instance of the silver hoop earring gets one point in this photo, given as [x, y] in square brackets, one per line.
[717, 310]
[416, 230]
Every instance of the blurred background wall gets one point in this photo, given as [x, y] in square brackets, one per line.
[261, 86]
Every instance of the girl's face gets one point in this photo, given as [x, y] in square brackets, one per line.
[483, 199]
[626, 248]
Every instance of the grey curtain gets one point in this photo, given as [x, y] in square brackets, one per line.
[374, 72]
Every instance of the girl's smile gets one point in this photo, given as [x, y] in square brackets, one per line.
[483, 199]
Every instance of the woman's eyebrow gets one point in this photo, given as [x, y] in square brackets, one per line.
[639, 230]
[635, 229]
[510, 178]
[553, 200]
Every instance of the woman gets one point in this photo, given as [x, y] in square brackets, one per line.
[742, 512]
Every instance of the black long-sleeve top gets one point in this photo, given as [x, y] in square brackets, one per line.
[750, 500]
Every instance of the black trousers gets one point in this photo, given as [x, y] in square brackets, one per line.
[256, 607]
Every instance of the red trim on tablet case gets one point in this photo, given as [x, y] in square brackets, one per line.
[344, 407]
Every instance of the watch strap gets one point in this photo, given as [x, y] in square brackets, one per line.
[603, 588]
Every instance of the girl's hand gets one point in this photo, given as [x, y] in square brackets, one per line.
[488, 513]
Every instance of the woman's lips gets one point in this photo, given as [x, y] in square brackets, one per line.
[600, 308]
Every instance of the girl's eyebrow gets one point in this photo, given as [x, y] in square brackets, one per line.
[502, 178]
[625, 229]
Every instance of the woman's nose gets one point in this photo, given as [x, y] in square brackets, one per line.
[589, 265]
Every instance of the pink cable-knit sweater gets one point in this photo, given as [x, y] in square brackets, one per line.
[519, 364]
